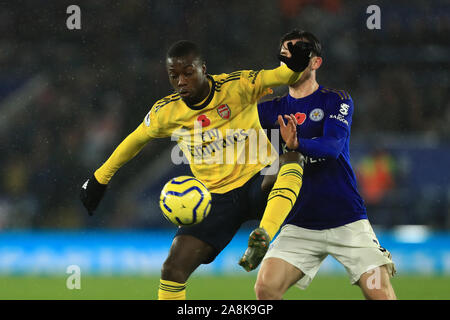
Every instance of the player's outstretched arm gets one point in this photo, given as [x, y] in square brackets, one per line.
[292, 69]
[94, 188]
[258, 83]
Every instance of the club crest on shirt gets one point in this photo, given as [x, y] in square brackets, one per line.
[316, 114]
[224, 111]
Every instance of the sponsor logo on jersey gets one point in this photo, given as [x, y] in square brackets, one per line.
[204, 120]
[339, 117]
[344, 109]
[316, 114]
[224, 111]
[301, 117]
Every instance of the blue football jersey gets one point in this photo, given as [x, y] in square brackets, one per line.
[328, 197]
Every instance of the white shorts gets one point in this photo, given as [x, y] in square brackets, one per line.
[354, 245]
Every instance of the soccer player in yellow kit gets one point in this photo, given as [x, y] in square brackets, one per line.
[216, 104]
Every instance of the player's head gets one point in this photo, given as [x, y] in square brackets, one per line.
[297, 35]
[187, 71]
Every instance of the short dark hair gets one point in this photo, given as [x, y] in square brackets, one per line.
[301, 34]
[184, 48]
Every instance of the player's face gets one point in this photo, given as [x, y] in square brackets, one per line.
[187, 75]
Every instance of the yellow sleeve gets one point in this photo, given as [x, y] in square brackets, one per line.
[126, 151]
[157, 121]
[279, 76]
[258, 83]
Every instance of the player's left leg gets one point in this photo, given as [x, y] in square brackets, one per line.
[186, 254]
[376, 285]
[284, 192]
[280, 201]
[368, 264]
[292, 157]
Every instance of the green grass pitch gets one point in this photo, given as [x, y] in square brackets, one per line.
[210, 287]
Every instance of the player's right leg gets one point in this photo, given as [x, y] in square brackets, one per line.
[275, 277]
[294, 257]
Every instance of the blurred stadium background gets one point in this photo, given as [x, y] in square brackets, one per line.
[68, 97]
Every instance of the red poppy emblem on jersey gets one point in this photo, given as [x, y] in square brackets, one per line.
[224, 111]
[204, 120]
[301, 117]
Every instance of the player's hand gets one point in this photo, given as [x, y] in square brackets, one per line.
[289, 131]
[258, 244]
[91, 193]
[300, 55]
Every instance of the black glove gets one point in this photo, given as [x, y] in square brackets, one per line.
[258, 244]
[91, 193]
[300, 54]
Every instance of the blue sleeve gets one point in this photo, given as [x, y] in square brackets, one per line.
[267, 118]
[336, 129]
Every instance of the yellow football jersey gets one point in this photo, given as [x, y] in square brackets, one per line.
[217, 133]
[221, 137]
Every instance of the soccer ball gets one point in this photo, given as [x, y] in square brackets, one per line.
[185, 201]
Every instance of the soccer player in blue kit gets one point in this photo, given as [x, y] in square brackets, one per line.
[329, 216]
